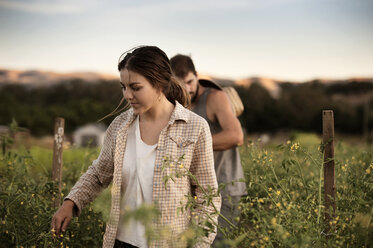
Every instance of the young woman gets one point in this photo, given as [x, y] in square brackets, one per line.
[157, 126]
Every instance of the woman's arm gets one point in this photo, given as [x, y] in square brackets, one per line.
[89, 185]
[98, 176]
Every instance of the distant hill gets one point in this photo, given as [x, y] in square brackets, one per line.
[45, 78]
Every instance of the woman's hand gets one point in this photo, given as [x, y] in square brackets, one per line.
[62, 217]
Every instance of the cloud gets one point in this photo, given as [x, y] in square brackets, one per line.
[46, 7]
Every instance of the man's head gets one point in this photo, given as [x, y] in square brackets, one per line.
[183, 68]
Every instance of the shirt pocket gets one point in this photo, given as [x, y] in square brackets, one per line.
[182, 142]
[181, 148]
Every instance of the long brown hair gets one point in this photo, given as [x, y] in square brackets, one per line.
[152, 63]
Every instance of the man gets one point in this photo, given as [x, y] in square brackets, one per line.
[209, 101]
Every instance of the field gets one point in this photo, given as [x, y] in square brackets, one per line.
[284, 206]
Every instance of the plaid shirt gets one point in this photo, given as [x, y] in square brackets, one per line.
[185, 134]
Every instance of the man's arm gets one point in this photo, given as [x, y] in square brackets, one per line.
[219, 107]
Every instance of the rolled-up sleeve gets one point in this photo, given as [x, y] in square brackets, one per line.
[98, 176]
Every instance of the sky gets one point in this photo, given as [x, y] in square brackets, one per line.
[295, 40]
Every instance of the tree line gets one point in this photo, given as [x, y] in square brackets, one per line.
[299, 106]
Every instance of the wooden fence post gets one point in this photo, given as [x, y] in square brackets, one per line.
[59, 126]
[329, 182]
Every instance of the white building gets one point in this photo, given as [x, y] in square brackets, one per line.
[89, 135]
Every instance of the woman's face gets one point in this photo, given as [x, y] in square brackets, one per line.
[138, 91]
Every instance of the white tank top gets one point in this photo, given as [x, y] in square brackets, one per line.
[137, 184]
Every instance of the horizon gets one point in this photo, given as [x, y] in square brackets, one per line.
[286, 40]
[108, 76]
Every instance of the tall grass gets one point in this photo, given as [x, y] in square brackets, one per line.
[284, 205]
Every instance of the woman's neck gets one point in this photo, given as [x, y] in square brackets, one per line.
[161, 111]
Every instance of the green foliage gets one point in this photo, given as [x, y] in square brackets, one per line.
[284, 206]
[76, 101]
[26, 196]
[299, 106]
[25, 209]
[6, 139]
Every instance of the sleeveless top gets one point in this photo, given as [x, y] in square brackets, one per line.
[228, 166]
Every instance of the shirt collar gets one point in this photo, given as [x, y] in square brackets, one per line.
[179, 113]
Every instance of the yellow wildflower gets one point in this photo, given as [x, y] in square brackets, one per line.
[273, 221]
[367, 171]
[278, 192]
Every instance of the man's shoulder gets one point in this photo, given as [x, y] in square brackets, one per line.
[194, 121]
[217, 97]
[193, 117]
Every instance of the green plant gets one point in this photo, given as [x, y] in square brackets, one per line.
[284, 205]
[25, 209]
